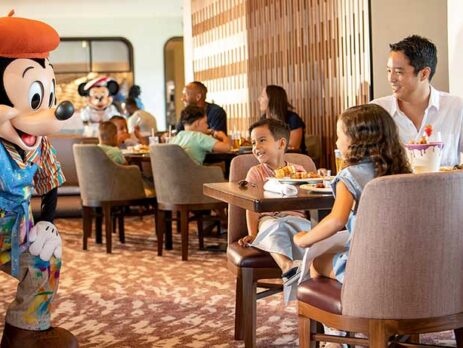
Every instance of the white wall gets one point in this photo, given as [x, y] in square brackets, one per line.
[147, 24]
[455, 25]
[393, 20]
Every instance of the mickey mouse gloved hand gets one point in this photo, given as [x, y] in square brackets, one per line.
[46, 241]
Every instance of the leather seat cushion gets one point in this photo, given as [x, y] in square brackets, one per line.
[249, 257]
[321, 292]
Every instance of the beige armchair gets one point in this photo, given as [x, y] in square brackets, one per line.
[404, 273]
[179, 188]
[107, 185]
[250, 265]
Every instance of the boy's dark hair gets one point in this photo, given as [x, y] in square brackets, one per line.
[107, 130]
[191, 113]
[420, 52]
[118, 117]
[277, 128]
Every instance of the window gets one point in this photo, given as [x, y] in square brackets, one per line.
[80, 59]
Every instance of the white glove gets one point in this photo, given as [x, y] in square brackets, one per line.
[46, 241]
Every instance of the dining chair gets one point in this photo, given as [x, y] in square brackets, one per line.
[110, 186]
[179, 189]
[404, 272]
[313, 143]
[250, 265]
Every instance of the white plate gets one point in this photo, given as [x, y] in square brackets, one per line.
[311, 187]
[288, 180]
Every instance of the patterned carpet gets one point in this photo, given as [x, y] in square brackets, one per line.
[133, 298]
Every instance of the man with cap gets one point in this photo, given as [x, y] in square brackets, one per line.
[29, 252]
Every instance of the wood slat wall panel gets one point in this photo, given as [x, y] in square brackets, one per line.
[318, 50]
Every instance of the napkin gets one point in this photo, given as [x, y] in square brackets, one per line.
[273, 185]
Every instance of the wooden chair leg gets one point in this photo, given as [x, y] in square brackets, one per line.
[160, 229]
[239, 333]
[378, 334]
[199, 223]
[120, 221]
[306, 328]
[249, 307]
[459, 337]
[168, 229]
[86, 225]
[179, 227]
[98, 226]
[113, 221]
[108, 226]
[184, 231]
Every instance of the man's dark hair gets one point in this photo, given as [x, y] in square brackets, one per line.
[277, 128]
[201, 87]
[420, 52]
[191, 113]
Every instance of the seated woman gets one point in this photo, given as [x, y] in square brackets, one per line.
[197, 139]
[273, 102]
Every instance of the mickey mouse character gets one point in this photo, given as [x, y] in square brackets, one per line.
[31, 253]
[99, 93]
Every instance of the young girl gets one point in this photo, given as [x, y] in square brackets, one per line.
[370, 147]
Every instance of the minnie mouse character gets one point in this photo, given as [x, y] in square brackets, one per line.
[31, 253]
[99, 93]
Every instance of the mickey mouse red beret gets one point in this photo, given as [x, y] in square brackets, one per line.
[26, 38]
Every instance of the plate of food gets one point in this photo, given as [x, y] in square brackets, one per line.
[289, 175]
[319, 188]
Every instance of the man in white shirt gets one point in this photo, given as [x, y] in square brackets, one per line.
[414, 103]
[144, 120]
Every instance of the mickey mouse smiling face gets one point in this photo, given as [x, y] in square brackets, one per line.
[27, 90]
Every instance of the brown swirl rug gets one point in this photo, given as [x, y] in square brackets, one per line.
[133, 298]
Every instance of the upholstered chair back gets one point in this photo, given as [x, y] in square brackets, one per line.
[101, 179]
[406, 256]
[178, 179]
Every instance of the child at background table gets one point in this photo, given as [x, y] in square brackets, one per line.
[369, 144]
[107, 141]
[273, 232]
[197, 140]
[124, 138]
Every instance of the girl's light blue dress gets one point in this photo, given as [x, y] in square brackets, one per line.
[355, 177]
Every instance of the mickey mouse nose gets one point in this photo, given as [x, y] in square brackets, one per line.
[64, 110]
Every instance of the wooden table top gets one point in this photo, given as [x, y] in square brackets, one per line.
[255, 199]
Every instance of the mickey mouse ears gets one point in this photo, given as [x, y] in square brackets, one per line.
[26, 38]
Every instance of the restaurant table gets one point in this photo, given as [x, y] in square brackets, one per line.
[254, 198]
[137, 158]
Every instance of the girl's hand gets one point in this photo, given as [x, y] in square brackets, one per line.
[298, 237]
[245, 241]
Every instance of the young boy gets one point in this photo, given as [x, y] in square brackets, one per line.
[124, 138]
[195, 139]
[107, 136]
[273, 232]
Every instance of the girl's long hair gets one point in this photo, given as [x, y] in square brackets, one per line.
[278, 104]
[374, 136]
